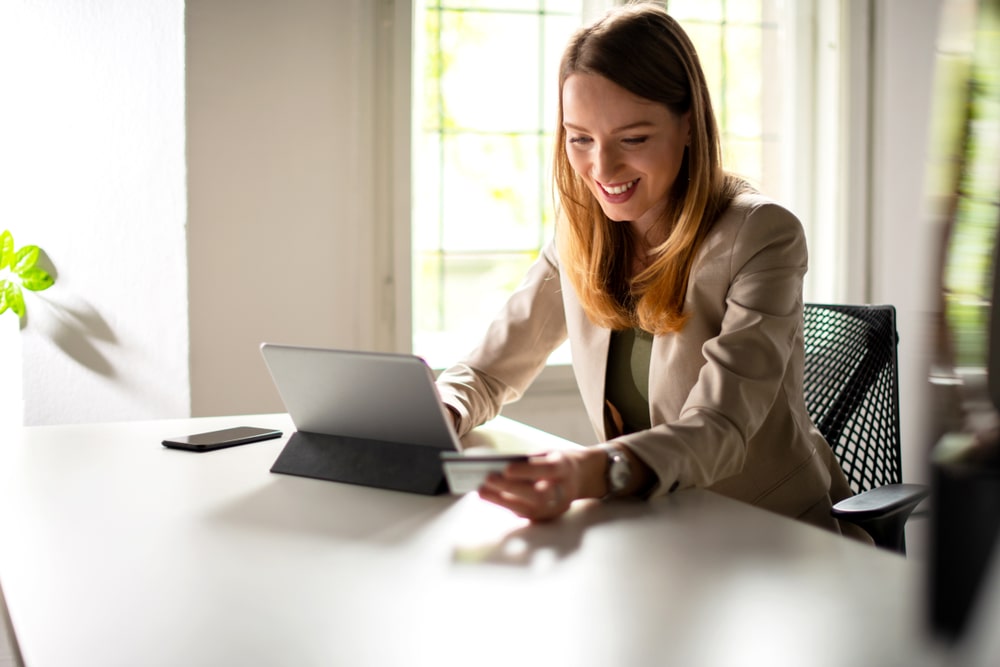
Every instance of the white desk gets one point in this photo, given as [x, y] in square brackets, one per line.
[117, 551]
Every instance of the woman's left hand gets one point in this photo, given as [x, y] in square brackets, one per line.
[543, 488]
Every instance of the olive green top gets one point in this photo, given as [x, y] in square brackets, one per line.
[626, 385]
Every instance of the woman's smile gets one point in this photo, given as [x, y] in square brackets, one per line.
[618, 193]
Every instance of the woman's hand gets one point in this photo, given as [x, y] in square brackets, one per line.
[543, 488]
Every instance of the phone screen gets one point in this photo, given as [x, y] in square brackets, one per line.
[229, 437]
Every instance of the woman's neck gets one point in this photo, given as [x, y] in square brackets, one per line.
[644, 240]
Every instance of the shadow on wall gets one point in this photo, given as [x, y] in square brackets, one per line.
[72, 324]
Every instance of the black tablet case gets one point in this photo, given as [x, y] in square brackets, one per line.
[377, 463]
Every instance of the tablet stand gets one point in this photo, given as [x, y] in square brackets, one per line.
[378, 463]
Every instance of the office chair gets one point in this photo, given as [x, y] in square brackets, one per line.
[851, 382]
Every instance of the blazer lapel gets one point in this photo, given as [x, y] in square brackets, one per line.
[589, 345]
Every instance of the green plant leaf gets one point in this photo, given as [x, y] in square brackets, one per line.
[3, 296]
[6, 249]
[36, 279]
[22, 264]
[17, 302]
[25, 258]
[12, 298]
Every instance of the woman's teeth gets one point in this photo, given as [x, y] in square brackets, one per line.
[618, 189]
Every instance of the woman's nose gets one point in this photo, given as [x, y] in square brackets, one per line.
[606, 162]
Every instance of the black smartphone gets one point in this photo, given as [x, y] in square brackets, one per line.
[227, 437]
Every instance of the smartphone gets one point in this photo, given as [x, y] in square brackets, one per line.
[229, 437]
[467, 472]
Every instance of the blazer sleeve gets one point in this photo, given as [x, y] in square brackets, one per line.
[745, 296]
[514, 350]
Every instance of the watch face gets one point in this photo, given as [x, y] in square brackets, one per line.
[619, 473]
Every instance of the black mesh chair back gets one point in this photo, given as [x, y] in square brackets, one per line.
[851, 382]
[851, 386]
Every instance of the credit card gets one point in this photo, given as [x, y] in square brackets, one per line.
[467, 472]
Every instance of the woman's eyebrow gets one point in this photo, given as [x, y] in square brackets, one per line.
[623, 128]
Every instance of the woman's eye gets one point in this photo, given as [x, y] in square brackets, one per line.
[634, 141]
[579, 140]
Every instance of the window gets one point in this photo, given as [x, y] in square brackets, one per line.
[484, 111]
[485, 77]
[738, 42]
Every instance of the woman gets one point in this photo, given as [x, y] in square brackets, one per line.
[679, 287]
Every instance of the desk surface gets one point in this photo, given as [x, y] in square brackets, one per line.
[117, 551]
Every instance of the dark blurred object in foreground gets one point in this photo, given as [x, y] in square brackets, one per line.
[964, 190]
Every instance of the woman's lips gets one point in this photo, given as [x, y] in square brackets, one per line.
[618, 192]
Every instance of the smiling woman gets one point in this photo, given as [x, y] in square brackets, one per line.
[679, 288]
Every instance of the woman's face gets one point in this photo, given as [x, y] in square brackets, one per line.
[626, 148]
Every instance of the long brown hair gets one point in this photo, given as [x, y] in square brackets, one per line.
[645, 51]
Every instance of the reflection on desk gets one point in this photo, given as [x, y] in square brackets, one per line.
[117, 551]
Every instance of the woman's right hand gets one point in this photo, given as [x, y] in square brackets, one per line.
[545, 486]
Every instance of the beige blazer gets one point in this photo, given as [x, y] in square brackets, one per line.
[725, 393]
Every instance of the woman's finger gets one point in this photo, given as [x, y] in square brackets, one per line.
[521, 489]
[544, 499]
[548, 466]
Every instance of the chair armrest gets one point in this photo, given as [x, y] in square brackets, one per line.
[880, 502]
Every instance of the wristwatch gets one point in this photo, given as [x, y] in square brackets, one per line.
[619, 471]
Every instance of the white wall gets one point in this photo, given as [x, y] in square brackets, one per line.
[276, 230]
[92, 170]
[287, 203]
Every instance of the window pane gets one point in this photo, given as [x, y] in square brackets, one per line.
[700, 10]
[482, 203]
[494, 197]
[571, 7]
[742, 93]
[426, 198]
[743, 11]
[486, 82]
[558, 30]
[515, 6]
[707, 39]
[460, 294]
[492, 5]
[743, 157]
[492, 192]
[734, 55]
